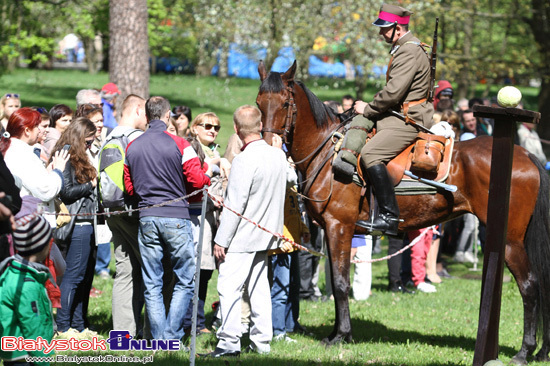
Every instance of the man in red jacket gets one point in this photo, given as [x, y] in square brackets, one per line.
[157, 166]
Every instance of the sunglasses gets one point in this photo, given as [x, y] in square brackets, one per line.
[89, 143]
[209, 126]
[11, 95]
[41, 110]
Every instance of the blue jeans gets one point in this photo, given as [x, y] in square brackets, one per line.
[77, 279]
[158, 235]
[293, 303]
[279, 291]
[103, 258]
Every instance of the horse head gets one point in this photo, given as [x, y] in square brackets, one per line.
[276, 102]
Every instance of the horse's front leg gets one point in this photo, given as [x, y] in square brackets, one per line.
[339, 247]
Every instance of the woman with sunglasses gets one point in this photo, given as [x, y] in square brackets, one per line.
[94, 112]
[204, 130]
[79, 195]
[9, 103]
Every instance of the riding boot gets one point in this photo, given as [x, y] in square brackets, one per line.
[387, 220]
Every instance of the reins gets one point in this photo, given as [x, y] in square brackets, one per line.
[287, 132]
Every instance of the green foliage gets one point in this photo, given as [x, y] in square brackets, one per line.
[483, 40]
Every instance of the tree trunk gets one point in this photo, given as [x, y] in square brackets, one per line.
[129, 47]
[541, 31]
[275, 35]
[88, 44]
[465, 78]
[223, 61]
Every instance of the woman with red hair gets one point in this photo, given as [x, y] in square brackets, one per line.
[32, 178]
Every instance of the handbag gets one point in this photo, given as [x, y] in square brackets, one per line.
[61, 220]
[62, 235]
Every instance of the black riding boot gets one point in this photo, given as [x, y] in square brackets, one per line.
[387, 220]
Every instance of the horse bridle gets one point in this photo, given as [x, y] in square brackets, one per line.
[290, 120]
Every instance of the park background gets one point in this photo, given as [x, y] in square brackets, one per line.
[483, 45]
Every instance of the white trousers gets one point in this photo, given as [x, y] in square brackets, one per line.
[237, 270]
[362, 277]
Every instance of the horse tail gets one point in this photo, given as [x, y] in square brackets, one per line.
[537, 244]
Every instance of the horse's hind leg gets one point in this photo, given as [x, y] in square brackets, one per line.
[542, 354]
[518, 263]
[339, 244]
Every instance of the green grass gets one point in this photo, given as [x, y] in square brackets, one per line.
[388, 329]
[201, 94]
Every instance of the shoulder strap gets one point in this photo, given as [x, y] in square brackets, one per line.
[119, 136]
[419, 44]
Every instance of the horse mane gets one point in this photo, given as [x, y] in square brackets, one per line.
[273, 83]
[321, 112]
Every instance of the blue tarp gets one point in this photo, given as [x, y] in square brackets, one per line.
[243, 62]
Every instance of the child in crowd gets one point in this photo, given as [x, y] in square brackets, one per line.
[25, 310]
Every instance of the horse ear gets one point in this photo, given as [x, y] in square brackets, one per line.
[289, 74]
[262, 71]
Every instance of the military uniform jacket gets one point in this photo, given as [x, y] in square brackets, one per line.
[408, 80]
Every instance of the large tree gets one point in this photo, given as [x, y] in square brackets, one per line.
[129, 46]
[540, 26]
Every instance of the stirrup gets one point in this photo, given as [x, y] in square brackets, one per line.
[369, 225]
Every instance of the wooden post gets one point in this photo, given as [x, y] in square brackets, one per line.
[486, 348]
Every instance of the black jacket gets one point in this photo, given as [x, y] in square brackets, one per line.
[12, 200]
[74, 194]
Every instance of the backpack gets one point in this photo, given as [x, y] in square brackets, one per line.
[111, 170]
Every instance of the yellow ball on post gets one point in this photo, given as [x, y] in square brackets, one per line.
[509, 97]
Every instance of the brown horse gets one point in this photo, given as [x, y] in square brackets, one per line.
[306, 125]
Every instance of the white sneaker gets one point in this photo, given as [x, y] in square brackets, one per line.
[426, 287]
[283, 337]
[459, 257]
[469, 257]
[262, 349]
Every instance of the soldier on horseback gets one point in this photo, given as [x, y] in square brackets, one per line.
[406, 91]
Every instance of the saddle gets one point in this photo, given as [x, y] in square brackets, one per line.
[429, 157]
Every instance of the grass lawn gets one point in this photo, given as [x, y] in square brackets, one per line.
[388, 329]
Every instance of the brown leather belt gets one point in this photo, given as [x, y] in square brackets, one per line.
[407, 105]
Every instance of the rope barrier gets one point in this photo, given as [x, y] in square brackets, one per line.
[25, 219]
[423, 233]
[277, 235]
[109, 213]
